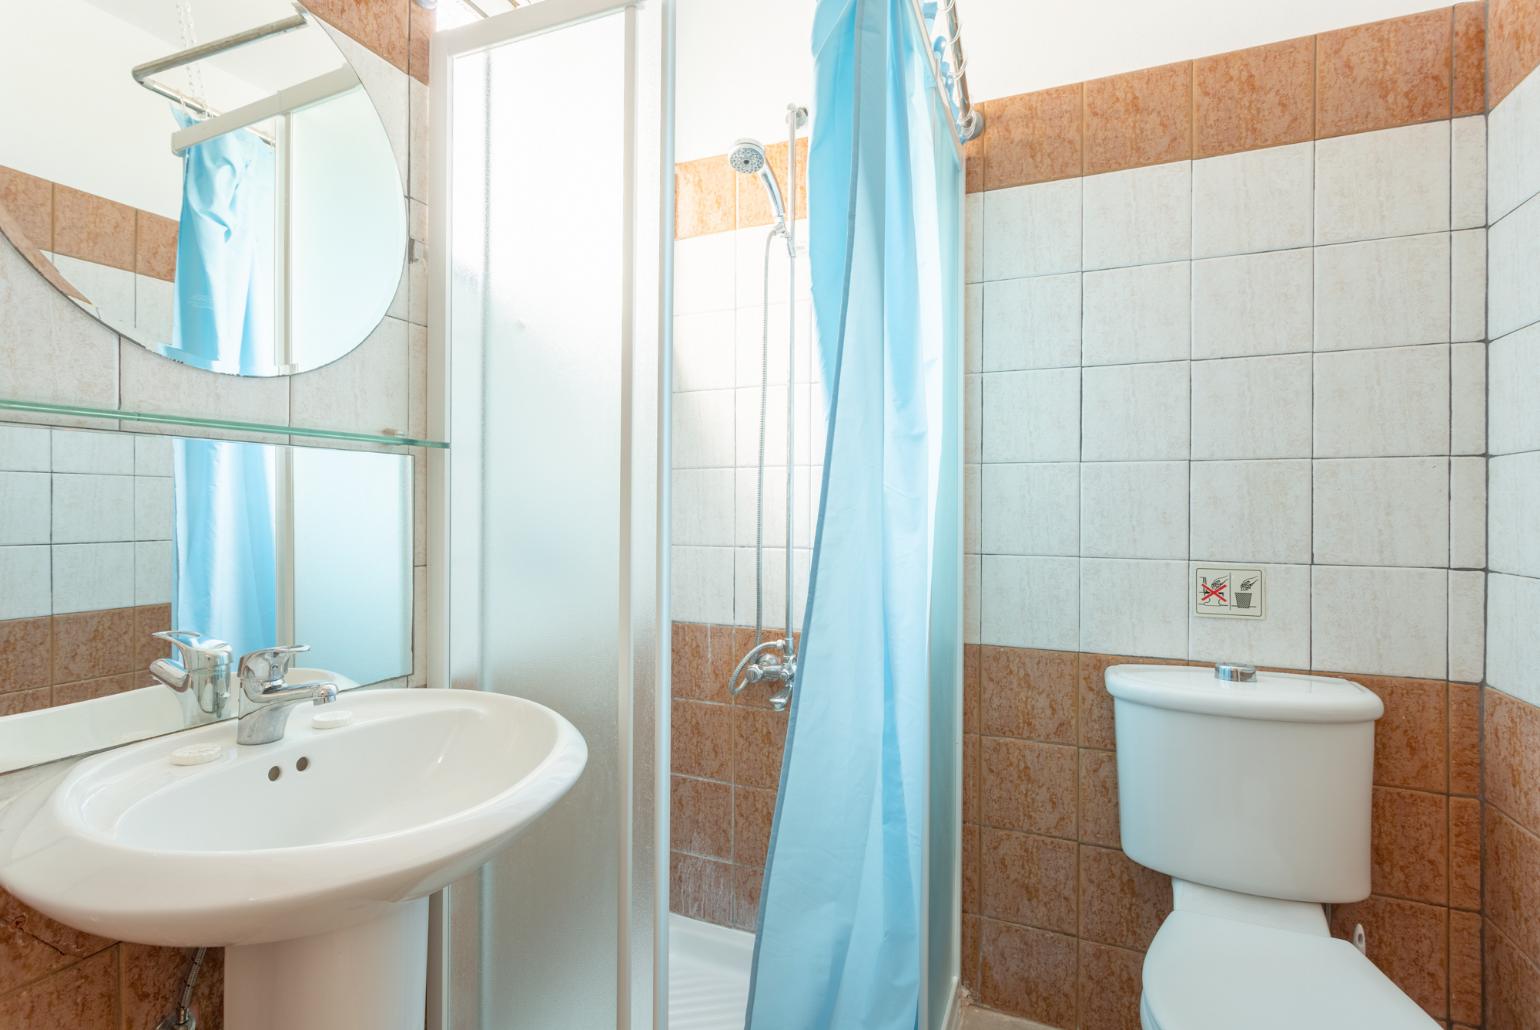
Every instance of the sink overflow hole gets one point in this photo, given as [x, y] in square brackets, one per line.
[302, 764]
[274, 773]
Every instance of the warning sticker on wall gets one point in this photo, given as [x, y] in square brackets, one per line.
[1228, 593]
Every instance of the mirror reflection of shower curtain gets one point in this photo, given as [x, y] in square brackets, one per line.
[225, 571]
[223, 309]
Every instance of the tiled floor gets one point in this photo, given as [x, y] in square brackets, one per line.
[975, 1018]
[708, 975]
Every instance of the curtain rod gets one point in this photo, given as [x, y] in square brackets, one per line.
[945, 35]
[202, 51]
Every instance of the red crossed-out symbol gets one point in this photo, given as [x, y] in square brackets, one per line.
[1215, 590]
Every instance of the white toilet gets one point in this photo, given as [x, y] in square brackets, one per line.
[1252, 790]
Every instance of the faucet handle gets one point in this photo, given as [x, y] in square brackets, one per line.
[270, 663]
[194, 650]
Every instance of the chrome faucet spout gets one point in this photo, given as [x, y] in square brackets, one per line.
[266, 698]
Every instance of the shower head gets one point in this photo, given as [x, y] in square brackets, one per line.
[748, 158]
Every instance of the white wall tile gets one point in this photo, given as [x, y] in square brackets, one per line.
[1513, 514]
[1378, 403]
[1394, 182]
[1253, 304]
[1136, 412]
[1468, 173]
[973, 419]
[154, 507]
[704, 351]
[973, 576]
[1381, 511]
[154, 309]
[1515, 369]
[1139, 313]
[1467, 513]
[1513, 268]
[1031, 509]
[773, 574]
[1251, 511]
[752, 361]
[1383, 293]
[26, 575]
[1282, 637]
[92, 509]
[1513, 162]
[750, 274]
[152, 572]
[1468, 398]
[91, 576]
[24, 448]
[704, 273]
[973, 509]
[50, 350]
[702, 584]
[1032, 230]
[1133, 509]
[1031, 416]
[747, 417]
[1139, 216]
[364, 391]
[387, 87]
[25, 509]
[740, 512]
[153, 456]
[973, 237]
[1133, 607]
[110, 289]
[703, 429]
[1031, 323]
[703, 507]
[1468, 285]
[973, 327]
[417, 158]
[1253, 201]
[1029, 602]
[1251, 407]
[1467, 625]
[104, 453]
[1513, 646]
[1379, 621]
[150, 383]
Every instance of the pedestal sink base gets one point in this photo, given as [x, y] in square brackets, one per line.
[367, 977]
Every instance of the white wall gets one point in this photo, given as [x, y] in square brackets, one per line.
[742, 61]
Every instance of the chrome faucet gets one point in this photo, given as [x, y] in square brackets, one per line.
[200, 669]
[265, 698]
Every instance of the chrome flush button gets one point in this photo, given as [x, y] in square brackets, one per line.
[1235, 672]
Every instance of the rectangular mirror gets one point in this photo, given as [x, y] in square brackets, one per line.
[223, 547]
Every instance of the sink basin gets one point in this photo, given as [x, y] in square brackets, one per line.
[297, 853]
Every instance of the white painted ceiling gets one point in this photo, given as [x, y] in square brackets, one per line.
[741, 61]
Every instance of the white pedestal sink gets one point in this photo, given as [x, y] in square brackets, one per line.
[309, 859]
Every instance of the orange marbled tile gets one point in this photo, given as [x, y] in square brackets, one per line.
[1465, 967]
[1470, 58]
[81, 997]
[700, 888]
[1410, 844]
[973, 158]
[89, 690]
[1111, 982]
[420, 28]
[1465, 738]
[1098, 790]
[701, 817]
[1511, 988]
[1028, 786]
[1410, 738]
[1513, 45]
[970, 952]
[1512, 858]
[1384, 74]
[155, 246]
[29, 201]
[753, 813]
[705, 197]
[970, 867]
[15, 702]
[93, 228]
[1263, 96]
[702, 737]
[1033, 137]
[972, 787]
[383, 26]
[1408, 940]
[747, 881]
[1121, 902]
[689, 674]
[1465, 853]
[1512, 767]
[1028, 972]
[1138, 118]
[1028, 879]
[24, 645]
[90, 645]
[1027, 693]
[759, 740]
[149, 972]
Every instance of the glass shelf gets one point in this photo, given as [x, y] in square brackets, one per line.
[75, 411]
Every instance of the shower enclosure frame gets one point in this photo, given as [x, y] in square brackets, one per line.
[459, 926]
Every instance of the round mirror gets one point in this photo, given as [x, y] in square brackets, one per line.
[208, 178]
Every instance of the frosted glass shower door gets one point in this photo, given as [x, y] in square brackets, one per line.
[546, 209]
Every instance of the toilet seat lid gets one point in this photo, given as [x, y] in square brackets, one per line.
[1205, 972]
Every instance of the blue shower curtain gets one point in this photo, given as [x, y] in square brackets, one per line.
[223, 311]
[840, 909]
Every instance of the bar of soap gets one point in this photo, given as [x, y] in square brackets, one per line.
[331, 720]
[196, 754]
